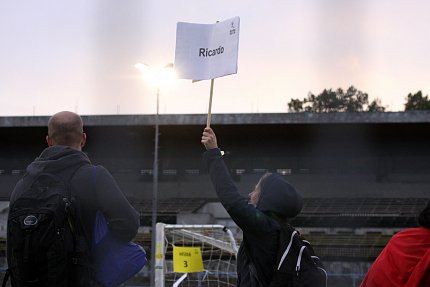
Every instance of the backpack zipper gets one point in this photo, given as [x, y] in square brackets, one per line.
[287, 250]
[299, 259]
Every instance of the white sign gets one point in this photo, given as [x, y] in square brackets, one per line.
[206, 51]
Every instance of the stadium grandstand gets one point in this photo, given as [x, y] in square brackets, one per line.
[364, 176]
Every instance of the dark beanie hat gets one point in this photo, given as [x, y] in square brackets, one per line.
[280, 197]
[424, 217]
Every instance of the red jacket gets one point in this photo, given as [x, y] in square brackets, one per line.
[405, 261]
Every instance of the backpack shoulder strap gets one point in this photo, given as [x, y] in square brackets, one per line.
[70, 214]
[286, 238]
[70, 177]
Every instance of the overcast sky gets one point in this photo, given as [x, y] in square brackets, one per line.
[79, 55]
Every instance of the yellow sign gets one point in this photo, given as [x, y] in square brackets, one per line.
[187, 259]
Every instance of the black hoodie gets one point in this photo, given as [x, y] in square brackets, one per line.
[93, 187]
[260, 225]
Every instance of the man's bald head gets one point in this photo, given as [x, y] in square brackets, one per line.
[66, 128]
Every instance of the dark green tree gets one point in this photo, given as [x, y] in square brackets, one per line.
[417, 102]
[375, 106]
[327, 101]
[295, 105]
[351, 100]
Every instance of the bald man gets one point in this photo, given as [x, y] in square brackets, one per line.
[66, 129]
[93, 188]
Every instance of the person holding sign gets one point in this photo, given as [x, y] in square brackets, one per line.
[271, 203]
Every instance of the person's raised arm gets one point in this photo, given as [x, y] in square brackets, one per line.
[243, 214]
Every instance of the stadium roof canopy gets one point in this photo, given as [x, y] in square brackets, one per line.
[233, 119]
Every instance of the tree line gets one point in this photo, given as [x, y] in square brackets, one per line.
[351, 100]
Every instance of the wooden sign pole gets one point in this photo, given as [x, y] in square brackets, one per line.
[208, 122]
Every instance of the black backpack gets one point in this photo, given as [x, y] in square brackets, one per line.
[297, 264]
[44, 246]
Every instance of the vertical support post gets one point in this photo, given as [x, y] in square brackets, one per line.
[159, 255]
[155, 194]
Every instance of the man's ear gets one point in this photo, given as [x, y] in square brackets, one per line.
[83, 139]
[49, 141]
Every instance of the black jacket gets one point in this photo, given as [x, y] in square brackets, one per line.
[93, 187]
[260, 225]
